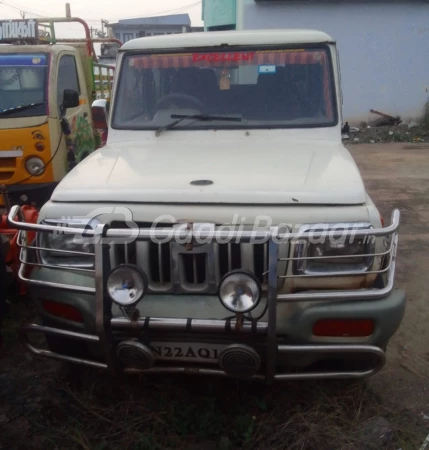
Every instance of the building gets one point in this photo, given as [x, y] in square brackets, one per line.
[108, 53]
[383, 45]
[128, 29]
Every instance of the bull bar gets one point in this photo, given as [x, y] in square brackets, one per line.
[106, 323]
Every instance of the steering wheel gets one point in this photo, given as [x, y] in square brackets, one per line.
[182, 100]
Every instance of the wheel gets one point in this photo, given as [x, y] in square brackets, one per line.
[74, 373]
[65, 346]
[3, 286]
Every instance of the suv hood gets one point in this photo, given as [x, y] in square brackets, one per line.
[242, 171]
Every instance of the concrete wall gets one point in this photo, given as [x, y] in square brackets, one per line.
[383, 46]
[122, 33]
[219, 12]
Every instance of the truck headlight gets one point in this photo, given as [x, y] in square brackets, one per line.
[69, 250]
[35, 166]
[334, 254]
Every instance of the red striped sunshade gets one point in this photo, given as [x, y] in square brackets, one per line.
[227, 59]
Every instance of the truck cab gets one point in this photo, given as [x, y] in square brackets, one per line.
[41, 140]
[224, 229]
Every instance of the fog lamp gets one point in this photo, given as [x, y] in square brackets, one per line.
[127, 285]
[239, 292]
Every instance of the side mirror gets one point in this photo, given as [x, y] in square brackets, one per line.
[70, 99]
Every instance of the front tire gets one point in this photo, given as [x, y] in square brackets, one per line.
[3, 287]
[65, 346]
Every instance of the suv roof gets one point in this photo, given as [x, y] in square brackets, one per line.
[217, 38]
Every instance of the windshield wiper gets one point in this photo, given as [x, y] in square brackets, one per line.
[198, 117]
[6, 112]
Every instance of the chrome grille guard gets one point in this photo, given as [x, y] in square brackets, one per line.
[105, 322]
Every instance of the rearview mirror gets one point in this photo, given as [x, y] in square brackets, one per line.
[70, 99]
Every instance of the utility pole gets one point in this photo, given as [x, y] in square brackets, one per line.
[68, 10]
[22, 14]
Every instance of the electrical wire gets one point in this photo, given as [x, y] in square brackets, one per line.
[160, 13]
[21, 9]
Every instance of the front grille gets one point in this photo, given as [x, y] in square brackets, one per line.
[7, 163]
[159, 262]
[172, 267]
[194, 268]
[5, 176]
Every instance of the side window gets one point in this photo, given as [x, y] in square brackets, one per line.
[128, 36]
[67, 77]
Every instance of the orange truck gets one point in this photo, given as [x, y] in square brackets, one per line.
[49, 113]
[54, 96]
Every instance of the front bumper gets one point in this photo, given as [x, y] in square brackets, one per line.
[298, 351]
[25, 194]
[281, 339]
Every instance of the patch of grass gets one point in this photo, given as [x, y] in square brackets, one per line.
[54, 409]
[166, 413]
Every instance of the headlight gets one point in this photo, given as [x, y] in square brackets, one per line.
[127, 285]
[334, 254]
[73, 247]
[239, 292]
[35, 166]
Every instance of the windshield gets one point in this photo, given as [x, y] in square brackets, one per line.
[22, 83]
[263, 88]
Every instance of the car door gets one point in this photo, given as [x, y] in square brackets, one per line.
[70, 76]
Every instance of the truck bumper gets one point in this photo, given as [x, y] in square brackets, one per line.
[38, 193]
[299, 353]
[186, 332]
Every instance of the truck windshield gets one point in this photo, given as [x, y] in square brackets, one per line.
[262, 88]
[22, 83]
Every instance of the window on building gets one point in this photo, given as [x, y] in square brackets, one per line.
[143, 33]
[128, 37]
[221, 28]
[118, 36]
[68, 77]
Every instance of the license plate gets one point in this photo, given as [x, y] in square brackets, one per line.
[186, 351]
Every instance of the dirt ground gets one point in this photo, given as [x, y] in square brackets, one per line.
[43, 405]
[397, 176]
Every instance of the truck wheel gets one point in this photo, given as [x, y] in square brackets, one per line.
[65, 346]
[76, 374]
[3, 288]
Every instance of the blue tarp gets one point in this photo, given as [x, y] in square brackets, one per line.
[32, 60]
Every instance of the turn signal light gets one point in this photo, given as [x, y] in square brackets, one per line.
[63, 311]
[343, 328]
[39, 146]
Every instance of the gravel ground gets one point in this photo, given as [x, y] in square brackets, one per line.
[386, 134]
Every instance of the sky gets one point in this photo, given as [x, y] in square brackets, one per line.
[94, 10]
